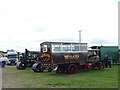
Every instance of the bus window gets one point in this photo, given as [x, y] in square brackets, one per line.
[66, 47]
[44, 48]
[69, 48]
[56, 48]
[83, 48]
[79, 47]
[75, 47]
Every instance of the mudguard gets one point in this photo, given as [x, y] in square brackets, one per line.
[37, 67]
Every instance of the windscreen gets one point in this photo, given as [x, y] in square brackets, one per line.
[12, 56]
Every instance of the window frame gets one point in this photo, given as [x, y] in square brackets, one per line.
[45, 46]
[70, 46]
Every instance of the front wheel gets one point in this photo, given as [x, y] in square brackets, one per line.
[37, 67]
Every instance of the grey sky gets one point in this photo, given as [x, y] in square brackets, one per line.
[27, 23]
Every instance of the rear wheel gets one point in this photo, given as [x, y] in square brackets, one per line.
[72, 69]
[101, 67]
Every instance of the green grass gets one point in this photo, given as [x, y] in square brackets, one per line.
[107, 78]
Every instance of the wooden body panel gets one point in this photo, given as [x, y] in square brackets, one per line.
[63, 58]
[50, 58]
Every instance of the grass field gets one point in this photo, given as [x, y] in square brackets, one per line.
[13, 78]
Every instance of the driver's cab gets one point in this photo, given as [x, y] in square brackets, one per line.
[45, 54]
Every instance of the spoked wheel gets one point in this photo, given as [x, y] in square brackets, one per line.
[72, 69]
[21, 66]
[101, 67]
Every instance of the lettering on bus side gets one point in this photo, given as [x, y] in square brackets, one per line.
[45, 57]
[71, 56]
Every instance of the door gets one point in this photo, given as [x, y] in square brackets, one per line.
[45, 55]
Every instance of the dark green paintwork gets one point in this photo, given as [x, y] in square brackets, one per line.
[109, 50]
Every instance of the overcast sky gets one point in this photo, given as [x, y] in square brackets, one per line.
[27, 23]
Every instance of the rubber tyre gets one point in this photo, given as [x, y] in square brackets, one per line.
[72, 69]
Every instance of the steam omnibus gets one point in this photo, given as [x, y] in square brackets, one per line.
[65, 57]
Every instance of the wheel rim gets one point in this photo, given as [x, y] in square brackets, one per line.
[73, 69]
[102, 67]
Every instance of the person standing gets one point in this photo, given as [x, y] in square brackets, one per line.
[3, 64]
[106, 61]
[0, 61]
[109, 61]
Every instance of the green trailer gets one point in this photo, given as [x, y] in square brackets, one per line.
[109, 50]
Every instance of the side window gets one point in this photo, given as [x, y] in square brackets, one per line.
[66, 47]
[83, 48]
[56, 48]
[44, 48]
[75, 47]
[79, 47]
[69, 47]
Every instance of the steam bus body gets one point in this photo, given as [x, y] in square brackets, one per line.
[63, 57]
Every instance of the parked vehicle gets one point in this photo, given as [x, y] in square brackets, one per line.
[27, 59]
[12, 57]
[65, 57]
[101, 51]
